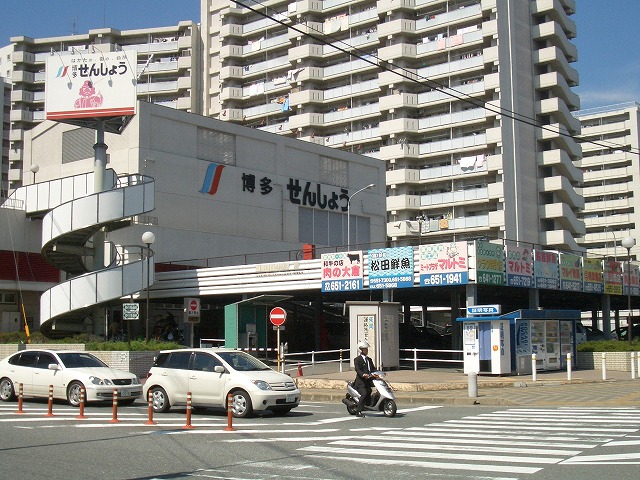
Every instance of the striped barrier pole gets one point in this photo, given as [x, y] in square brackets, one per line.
[604, 366]
[20, 399]
[534, 368]
[50, 403]
[633, 365]
[229, 427]
[188, 424]
[569, 366]
[114, 419]
[150, 408]
[81, 405]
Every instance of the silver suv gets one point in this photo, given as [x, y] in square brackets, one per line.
[211, 374]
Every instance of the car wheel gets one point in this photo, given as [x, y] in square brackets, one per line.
[7, 393]
[280, 411]
[241, 404]
[159, 400]
[73, 393]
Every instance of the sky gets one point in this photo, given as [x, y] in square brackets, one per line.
[608, 34]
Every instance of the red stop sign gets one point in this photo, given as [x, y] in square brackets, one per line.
[193, 306]
[277, 316]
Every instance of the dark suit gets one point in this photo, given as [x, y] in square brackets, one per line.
[364, 367]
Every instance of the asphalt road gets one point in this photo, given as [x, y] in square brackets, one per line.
[321, 441]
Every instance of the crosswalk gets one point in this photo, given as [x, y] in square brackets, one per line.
[519, 441]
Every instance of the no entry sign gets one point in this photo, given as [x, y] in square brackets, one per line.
[277, 316]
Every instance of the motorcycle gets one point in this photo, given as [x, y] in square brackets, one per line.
[382, 399]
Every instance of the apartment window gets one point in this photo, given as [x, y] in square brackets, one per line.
[78, 144]
[215, 146]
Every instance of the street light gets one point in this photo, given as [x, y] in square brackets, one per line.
[629, 243]
[371, 185]
[34, 169]
[148, 238]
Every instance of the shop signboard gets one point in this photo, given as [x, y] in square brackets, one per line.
[592, 273]
[634, 280]
[519, 267]
[570, 272]
[90, 85]
[444, 264]
[546, 270]
[612, 277]
[490, 263]
[342, 271]
[391, 268]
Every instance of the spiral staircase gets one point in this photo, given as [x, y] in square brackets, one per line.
[72, 215]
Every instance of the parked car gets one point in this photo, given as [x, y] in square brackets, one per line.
[68, 372]
[211, 374]
[622, 333]
[593, 334]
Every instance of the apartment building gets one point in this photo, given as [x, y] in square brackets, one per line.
[168, 66]
[611, 172]
[5, 108]
[467, 101]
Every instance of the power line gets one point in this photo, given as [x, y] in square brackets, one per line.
[461, 96]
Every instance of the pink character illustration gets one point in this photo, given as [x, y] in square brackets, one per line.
[88, 97]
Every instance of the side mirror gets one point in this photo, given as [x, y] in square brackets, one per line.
[218, 369]
[53, 366]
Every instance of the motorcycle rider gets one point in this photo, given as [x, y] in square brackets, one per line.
[364, 378]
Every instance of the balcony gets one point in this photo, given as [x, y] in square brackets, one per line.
[552, 133]
[559, 86]
[558, 110]
[399, 100]
[457, 144]
[561, 214]
[562, 189]
[555, 57]
[403, 176]
[453, 16]
[473, 195]
[403, 202]
[388, 6]
[561, 163]
[557, 36]
[401, 26]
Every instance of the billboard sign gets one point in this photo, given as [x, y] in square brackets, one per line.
[444, 264]
[570, 272]
[391, 268]
[519, 266]
[88, 85]
[546, 269]
[342, 271]
[490, 263]
[592, 272]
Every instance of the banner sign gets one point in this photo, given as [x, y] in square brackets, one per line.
[444, 264]
[490, 263]
[342, 271]
[612, 277]
[546, 270]
[570, 272]
[519, 267]
[592, 273]
[391, 268]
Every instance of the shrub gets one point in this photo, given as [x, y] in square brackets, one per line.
[609, 346]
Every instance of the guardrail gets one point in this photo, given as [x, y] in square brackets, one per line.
[415, 359]
[310, 359]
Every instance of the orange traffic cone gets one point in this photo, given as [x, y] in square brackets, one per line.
[299, 369]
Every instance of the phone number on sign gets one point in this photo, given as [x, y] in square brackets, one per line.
[342, 285]
[444, 279]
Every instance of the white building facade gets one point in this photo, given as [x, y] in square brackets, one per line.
[611, 171]
[468, 103]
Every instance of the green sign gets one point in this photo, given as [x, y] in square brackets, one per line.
[130, 311]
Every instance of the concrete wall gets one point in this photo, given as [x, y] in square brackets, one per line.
[618, 361]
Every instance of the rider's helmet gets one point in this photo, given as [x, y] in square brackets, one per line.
[363, 345]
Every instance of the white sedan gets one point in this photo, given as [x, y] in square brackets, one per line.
[68, 372]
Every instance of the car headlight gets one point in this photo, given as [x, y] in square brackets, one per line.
[261, 384]
[100, 381]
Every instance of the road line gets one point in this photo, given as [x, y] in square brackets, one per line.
[421, 464]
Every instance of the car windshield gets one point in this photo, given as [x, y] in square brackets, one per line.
[242, 362]
[79, 360]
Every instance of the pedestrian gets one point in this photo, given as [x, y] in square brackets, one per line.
[364, 376]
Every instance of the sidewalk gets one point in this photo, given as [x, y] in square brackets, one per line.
[451, 386]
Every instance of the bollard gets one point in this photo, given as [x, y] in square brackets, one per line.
[633, 365]
[299, 369]
[50, 403]
[638, 365]
[472, 380]
[114, 419]
[340, 360]
[81, 405]
[604, 366]
[534, 368]
[150, 408]
[230, 414]
[20, 391]
[188, 424]
[569, 366]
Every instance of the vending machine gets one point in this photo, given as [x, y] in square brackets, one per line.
[377, 324]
